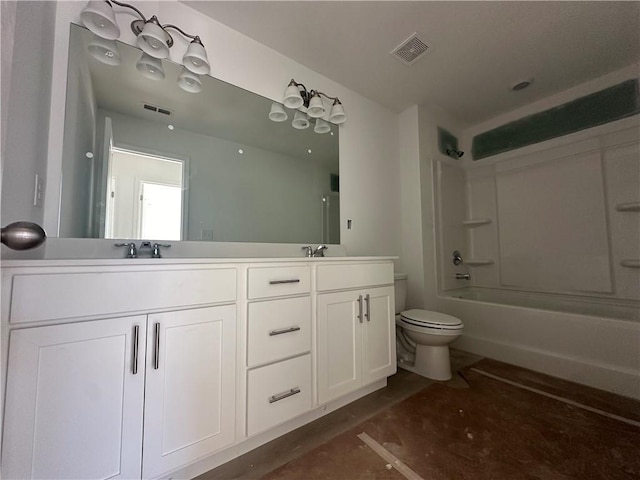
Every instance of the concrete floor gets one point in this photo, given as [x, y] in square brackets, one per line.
[484, 429]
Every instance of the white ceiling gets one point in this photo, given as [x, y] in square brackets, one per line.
[478, 49]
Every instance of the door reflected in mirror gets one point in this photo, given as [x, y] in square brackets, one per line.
[145, 198]
[244, 178]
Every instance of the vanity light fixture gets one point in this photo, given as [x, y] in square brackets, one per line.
[154, 40]
[296, 95]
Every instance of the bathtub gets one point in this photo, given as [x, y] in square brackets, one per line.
[587, 340]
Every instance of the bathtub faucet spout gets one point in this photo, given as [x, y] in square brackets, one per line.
[463, 276]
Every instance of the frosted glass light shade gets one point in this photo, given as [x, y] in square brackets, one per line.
[150, 67]
[153, 40]
[321, 126]
[337, 115]
[189, 81]
[292, 98]
[105, 51]
[99, 18]
[278, 113]
[196, 59]
[316, 108]
[300, 121]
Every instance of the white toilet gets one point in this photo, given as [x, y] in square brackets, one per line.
[423, 337]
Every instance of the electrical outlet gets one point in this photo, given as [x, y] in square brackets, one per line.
[206, 234]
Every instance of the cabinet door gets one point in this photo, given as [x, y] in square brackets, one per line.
[74, 404]
[379, 341]
[339, 345]
[190, 386]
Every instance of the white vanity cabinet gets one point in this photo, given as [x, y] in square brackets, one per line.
[190, 384]
[169, 368]
[74, 401]
[355, 336]
[120, 397]
[279, 376]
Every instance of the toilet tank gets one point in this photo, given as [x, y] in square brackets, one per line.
[400, 284]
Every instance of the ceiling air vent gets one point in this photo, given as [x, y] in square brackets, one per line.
[155, 108]
[409, 51]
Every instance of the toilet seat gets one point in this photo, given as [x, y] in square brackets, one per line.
[426, 319]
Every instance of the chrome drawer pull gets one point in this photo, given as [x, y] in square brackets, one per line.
[156, 353]
[136, 330]
[360, 308]
[279, 282]
[273, 333]
[281, 396]
[367, 301]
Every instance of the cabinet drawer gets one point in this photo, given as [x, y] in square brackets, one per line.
[277, 393]
[68, 295]
[278, 281]
[278, 329]
[340, 277]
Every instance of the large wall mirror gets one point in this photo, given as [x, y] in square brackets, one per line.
[145, 158]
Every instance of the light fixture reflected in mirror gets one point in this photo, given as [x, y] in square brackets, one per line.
[278, 113]
[300, 121]
[105, 51]
[150, 67]
[98, 16]
[321, 126]
[189, 81]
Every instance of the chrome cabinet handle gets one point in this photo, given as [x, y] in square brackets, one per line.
[367, 314]
[156, 353]
[136, 330]
[273, 333]
[278, 282]
[360, 308]
[281, 396]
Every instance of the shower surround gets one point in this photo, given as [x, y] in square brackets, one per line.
[550, 236]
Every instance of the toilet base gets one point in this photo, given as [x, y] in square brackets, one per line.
[431, 362]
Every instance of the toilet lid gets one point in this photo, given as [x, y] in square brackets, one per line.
[429, 318]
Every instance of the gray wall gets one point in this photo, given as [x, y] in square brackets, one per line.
[260, 196]
[25, 110]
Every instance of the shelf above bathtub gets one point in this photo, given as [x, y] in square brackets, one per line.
[628, 207]
[476, 222]
[628, 263]
[479, 262]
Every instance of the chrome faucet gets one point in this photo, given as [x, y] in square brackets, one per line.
[156, 249]
[131, 249]
[308, 251]
[463, 276]
[319, 251]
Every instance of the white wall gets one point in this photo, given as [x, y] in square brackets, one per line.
[412, 255]
[369, 164]
[430, 118]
